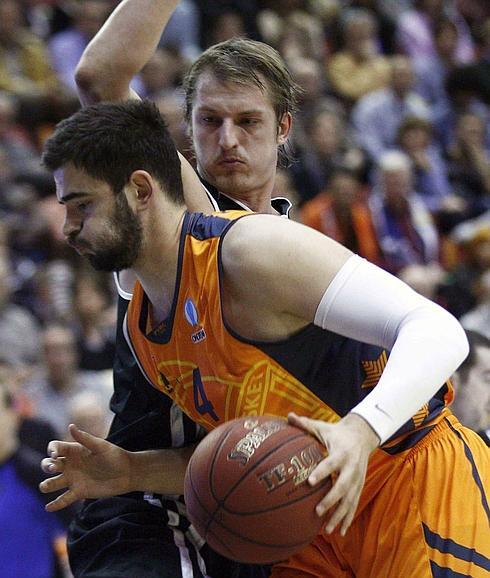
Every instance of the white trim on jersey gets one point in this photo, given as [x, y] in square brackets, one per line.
[212, 200]
[180, 542]
[177, 426]
[120, 291]
[179, 539]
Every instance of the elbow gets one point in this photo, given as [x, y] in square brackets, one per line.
[453, 336]
[89, 81]
[441, 331]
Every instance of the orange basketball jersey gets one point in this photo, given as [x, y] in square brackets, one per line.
[214, 375]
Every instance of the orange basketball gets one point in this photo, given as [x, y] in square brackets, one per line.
[247, 493]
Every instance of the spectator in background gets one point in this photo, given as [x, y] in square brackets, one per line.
[415, 32]
[301, 36]
[58, 380]
[51, 291]
[431, 181]
[358, 68]
[425, 279]
[183, 31]
[161, 75]
[25, 69]
[341, 212]
[211, 10]
[463, 91]
[309, 74]
[432, 71]
[377, 116]
[469, 163]
[95, 320]
[88, 411]
[229, 23]
[26, 72]
[404, 227]
[458, 292]
[385, 18]
[19, 330]
[66, 47]
[21, 153]
[471, 382]
[32, 541]
[480, 69]
[327, 148]
[478, 318]
[474, 12]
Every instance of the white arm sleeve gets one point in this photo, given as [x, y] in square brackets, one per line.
[427, 343]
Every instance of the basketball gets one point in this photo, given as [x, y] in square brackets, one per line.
[247, 490]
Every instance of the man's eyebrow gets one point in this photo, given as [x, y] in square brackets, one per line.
[71, 196]
[239, 113]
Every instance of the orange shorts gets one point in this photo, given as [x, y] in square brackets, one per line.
[428, 518]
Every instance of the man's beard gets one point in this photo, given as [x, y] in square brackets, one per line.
[122, 250]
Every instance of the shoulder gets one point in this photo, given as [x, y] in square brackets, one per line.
[262, 244]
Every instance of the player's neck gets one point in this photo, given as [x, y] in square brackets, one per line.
[156, 267]
[257, 201]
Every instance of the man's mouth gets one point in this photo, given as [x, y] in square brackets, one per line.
[80, 248]
[231, 163]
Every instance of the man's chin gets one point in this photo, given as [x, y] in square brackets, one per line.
[233, 184]
[108, 265]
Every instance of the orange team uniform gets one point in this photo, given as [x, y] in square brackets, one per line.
[424, 510]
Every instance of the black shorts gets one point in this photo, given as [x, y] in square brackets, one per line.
[127, 537]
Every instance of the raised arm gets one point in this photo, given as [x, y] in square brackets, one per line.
[121, 48]
[118, 51]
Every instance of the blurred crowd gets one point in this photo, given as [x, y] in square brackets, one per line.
[390, 155]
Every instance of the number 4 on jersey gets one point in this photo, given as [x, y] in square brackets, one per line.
[201, 402]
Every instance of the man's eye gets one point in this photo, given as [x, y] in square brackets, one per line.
[249, 121]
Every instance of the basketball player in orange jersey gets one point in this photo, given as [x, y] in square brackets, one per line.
[237, 128]
[236, 304]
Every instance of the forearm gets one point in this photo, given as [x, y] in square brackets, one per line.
[427, 344]
[159, 471]
[121, 48]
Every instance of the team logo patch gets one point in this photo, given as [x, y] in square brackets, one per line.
[192, 317]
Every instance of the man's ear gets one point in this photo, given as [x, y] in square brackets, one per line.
[284, 128]
[141, 186]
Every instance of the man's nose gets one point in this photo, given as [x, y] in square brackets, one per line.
[71, 226]
[228, 137]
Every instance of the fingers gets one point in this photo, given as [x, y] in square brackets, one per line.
[52, 466]
[300, 421]
[53, 484]
[58, 449]
[89, 441]
[63, 501]
[344, 513]
[345, 492]
[307, 424]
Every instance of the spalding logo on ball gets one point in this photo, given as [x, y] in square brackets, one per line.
[247, 490]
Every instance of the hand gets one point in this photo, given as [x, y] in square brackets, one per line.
[90, 467]
[349, 443]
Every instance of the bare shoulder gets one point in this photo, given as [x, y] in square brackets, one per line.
[276, 254]
[262, 238]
